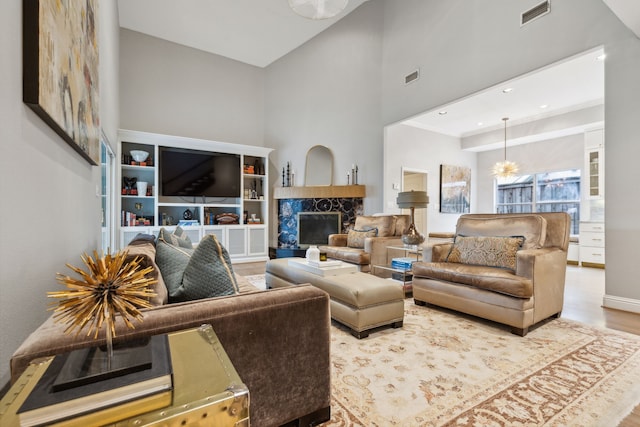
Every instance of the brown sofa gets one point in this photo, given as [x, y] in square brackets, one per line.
[278, 341]
[485, 281]
[373, 250]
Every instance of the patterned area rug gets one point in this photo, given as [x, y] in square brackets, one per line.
[257, 280]
[445, 369]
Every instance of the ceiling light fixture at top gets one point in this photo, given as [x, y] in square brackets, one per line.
[318, 9]
[505, 169]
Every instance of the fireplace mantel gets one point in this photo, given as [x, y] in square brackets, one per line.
[319, 192]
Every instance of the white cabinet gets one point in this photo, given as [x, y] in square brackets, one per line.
[147, 213]
[257, 240]
[595, 169]
[236, 242]
[592, 244]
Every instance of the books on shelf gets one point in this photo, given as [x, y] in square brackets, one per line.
[402, 263]
[188, 222]
[130, 219]
[76, 387]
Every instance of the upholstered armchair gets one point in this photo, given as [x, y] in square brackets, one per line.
[366, 244]
[508, 268]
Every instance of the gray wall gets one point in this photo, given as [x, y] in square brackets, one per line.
[328, 92]
[463, 46]
[544, 156]
[49, 211]
[410, 147]
[171, 89]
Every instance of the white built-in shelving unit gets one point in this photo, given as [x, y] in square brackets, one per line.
[245, 241]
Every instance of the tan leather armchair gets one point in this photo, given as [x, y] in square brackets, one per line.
[527, 289]
[362, 250]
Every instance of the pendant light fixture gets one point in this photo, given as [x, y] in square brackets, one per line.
[318, 9]
[505, 169]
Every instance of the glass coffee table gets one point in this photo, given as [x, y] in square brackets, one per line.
[399, 269]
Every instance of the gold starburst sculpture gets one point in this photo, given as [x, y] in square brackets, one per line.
[111, 286]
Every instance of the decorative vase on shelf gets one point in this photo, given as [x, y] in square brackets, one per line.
[313, 254]
[142, 188]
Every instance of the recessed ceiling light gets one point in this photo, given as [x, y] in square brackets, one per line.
[543, 106]
[601, 57]
[442, 113]
[480, 123]
[507, 90]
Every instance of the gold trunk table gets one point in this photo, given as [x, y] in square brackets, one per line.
[207, 390]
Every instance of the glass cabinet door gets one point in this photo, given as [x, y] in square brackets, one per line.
[594, 163]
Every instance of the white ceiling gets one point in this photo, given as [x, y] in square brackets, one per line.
[573, 84]
[256, 32]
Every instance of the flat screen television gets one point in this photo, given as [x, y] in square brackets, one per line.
[314, 227]
[197, 173]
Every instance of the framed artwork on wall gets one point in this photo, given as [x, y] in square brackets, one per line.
[455, 189]
[60, 70]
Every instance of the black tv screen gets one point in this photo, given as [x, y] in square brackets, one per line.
[199, 173]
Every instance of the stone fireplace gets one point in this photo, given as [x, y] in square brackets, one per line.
[346, 199]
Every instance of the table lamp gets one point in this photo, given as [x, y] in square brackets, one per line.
[412, 200]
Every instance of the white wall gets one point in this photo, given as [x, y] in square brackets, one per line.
[410, 147]
[49, 211]
[175, 90]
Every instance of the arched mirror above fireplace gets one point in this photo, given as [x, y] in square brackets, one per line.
[318, 168]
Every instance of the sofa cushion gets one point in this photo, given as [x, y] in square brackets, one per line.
[177, 238]
[385, 224]
[145, 248]
[489, 278]
[355, 238]
[489, 251]
[532, 227]
[402, 223]
[198, 273]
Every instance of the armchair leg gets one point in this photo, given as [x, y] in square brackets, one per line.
[418, 302]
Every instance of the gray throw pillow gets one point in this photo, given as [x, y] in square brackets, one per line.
[203, 272]
[177, 238]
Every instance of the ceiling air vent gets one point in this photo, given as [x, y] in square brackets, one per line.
[411, 77]
[535, 12]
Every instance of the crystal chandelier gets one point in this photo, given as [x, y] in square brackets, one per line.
[318, 9]
[505, 169]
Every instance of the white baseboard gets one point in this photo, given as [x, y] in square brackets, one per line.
[620, 303]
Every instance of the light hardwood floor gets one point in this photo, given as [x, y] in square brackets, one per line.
[584, 290]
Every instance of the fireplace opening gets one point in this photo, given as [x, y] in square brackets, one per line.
[314, 227]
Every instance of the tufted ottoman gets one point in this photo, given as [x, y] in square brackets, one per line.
[359, 301]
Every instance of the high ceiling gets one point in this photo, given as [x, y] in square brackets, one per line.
[256, 32]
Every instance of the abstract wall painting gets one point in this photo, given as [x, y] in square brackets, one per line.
[455, 189]
[60, 70]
